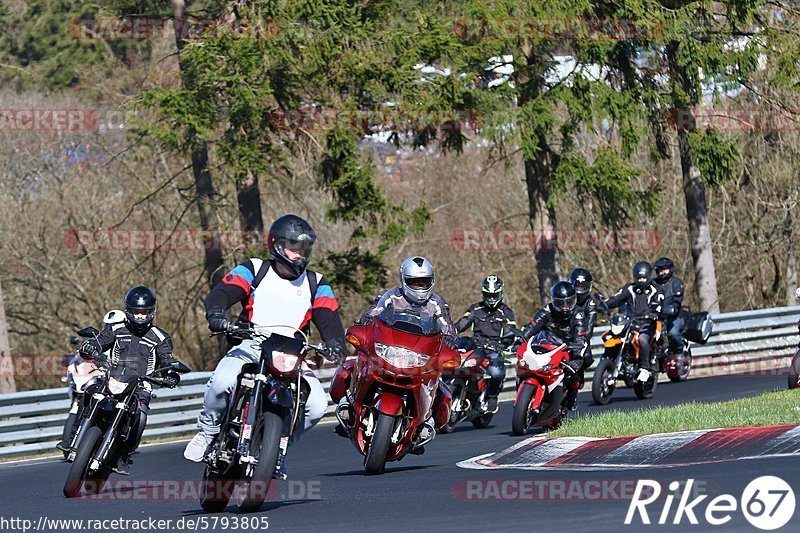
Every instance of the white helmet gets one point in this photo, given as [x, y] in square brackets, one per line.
[417, 279]
[115, 316]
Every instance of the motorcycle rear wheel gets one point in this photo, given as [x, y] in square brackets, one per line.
[375, 461]
[601, 390]
[682, 372]
[267, 440]
[482, 421]
[794, 372]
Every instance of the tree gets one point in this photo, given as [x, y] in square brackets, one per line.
[7, 383]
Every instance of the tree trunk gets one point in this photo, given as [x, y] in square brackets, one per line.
[249, 199]
[538, 178]
[543, 223]
[791, 259]
[7, 383]
[705, 276]
[203, 182]
[694, 190]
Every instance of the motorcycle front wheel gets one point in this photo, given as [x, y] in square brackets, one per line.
[601, 389]
[522, 418]
[375, 462]
[78, 476]
[267, 441]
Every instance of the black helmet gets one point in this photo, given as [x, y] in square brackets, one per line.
[581, 279]
[564, 298]
[641, 273]
[288, 236]
[663, 268]
[140, 308]
[492, 291]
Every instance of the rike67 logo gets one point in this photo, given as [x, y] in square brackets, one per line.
[767, 503]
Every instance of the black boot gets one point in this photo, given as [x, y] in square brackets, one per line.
[122, 467]
[491, 403]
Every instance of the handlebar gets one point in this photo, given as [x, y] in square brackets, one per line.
[263, 332]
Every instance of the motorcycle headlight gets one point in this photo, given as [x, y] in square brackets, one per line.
[400, 357]
[284, 362]
[616, 329]
[116, 387]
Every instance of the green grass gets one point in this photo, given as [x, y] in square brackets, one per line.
[772, 408]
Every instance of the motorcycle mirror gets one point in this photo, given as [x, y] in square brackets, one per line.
[74, 340]
[179, 367]
[88, 332]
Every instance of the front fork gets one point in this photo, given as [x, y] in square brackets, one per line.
[111, 434]
[252, 408]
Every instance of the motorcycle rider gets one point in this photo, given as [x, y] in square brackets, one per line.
[581, 279]
[139, 346]
[565, 320]
[414, 294]
[280, 293]
[673, 289]
[490, 320]
[644, 301]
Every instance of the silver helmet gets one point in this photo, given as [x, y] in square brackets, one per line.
[417, 279]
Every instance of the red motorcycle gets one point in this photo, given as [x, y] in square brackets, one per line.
[399, 359]
[541, 363]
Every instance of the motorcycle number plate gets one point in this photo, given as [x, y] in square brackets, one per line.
[248, 430]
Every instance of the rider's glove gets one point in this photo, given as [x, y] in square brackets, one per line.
[90, 351]
[363, 320]
[449, 341]
[576, 348]
[171, 380]
[336, 350]
[217, 321]
[575, 365]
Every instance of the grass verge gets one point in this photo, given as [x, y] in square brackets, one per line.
[772, 408]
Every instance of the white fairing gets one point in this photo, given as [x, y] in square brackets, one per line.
[536, 361]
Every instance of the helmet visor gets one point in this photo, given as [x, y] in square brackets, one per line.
[420, 284]
[293, 249]
[565, 304]
[140, 315]
[492, 298]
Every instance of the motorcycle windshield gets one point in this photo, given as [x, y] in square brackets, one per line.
[418, 322]
[547, 339]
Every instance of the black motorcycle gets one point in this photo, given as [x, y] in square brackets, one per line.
[110, 413]
[266, 408]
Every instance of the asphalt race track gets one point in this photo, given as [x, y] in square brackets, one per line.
[329, 492]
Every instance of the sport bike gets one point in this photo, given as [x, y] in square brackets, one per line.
[469, 385]
[541, 396]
